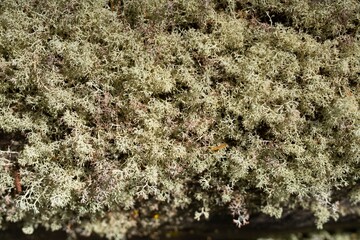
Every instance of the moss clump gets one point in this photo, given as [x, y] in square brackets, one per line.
[114, 106]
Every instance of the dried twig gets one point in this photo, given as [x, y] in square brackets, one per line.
[9, 157]
[17, 180]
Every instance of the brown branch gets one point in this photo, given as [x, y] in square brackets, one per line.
[17, 180]
[11, 157]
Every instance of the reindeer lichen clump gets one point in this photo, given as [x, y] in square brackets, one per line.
[135, 114]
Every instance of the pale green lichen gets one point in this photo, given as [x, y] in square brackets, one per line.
[116, 103]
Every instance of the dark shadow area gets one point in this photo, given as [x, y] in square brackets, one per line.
[218, 228]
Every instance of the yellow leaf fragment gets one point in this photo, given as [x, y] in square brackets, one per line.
[218, 147]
